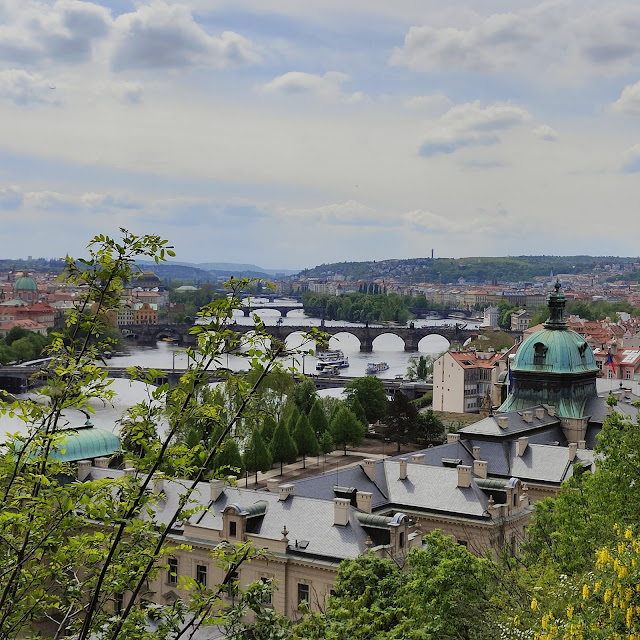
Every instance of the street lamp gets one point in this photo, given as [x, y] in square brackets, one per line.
[173, 359]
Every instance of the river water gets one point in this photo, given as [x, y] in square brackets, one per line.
[164, 355]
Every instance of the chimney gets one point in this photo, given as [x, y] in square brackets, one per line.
[129, 469]
[84, 469]
[582, 444]
[527, 416]
[272, 485]
[216, 487]
[551, 410]
[363, 501]
[476, 452]
[452, 437]
[417, 458]
[101, 463]
[480, 468]
[158, 483]
[285, 491]
[341, 511]
[627, 394]
[503, 422]
[369, 466]
[464, 476]
[539, 413]
[403, 468]
[522, 445]
[573, 447]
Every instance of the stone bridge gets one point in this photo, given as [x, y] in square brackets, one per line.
[411, 336]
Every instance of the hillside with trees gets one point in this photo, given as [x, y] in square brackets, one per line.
[472, 269]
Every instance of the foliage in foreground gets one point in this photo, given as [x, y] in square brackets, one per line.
[68, 551]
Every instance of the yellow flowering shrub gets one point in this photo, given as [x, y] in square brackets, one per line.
[608, 605]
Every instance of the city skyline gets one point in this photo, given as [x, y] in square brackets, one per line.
[296, 134]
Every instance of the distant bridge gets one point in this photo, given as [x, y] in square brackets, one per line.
[16, 379]
[411, 335]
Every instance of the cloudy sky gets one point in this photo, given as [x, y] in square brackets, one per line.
[288, 133]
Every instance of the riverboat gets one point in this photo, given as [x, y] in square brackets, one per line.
[376, 367]
[331, 358]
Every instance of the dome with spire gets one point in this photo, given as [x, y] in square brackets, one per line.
[553, 366]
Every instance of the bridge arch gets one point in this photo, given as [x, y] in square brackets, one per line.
[433, 343]
[168, 332]
[391, 341]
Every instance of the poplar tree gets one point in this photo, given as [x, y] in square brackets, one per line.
[283, 448]
[256, 455]
[346, 429]
[268, 427]
[318, 419]
[305, 439]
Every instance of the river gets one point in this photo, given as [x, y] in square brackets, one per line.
[164, 355]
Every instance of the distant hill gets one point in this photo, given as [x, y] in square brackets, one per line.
[206, 272]
[472, 270]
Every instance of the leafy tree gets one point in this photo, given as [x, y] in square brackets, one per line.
[24, 349]
[444, 592]
[256, 456]
[402, 419]
[346, 429]
[16, 333]
[304, 394]
[429, 429]
[68, 549]
[268, 427]
[228, 461]
[283, 447]
[305, 439]
[354, 404]
[326, 444]
[420, 368]
[318, 419]
[371, 395]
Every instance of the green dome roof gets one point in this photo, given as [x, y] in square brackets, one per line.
[25, 283]
[553, 351]
[86, 442]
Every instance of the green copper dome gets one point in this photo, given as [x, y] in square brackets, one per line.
[554, 366]
[553, 351]
[85, 443]
[25, 283]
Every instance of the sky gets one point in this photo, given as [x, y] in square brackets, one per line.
[289, 133]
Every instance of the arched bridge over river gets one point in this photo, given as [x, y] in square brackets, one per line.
[411, 335]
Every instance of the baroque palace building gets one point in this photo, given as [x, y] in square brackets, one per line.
[478, 487]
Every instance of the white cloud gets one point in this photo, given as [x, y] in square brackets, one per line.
[471, 125]
[546, 133]
[326, 87]
[164, 36]
[629, 100]
[36, 32]
[23, 88]
[567, 40]
[428, 221]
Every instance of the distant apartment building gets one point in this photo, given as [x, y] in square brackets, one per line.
[520, 320]
[462, 379]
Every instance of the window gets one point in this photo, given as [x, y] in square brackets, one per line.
[201, 575]
[627, 374]
[401, 540]
[233, 529]
[609, 374]
[303, 592]
[172, 572]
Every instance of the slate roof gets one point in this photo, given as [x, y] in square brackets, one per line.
[322, 486]
[434, 489]
[516, 425]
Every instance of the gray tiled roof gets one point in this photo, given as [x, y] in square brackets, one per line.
[308, 519]
[516, 425]
[434, 489]
[322, 486]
